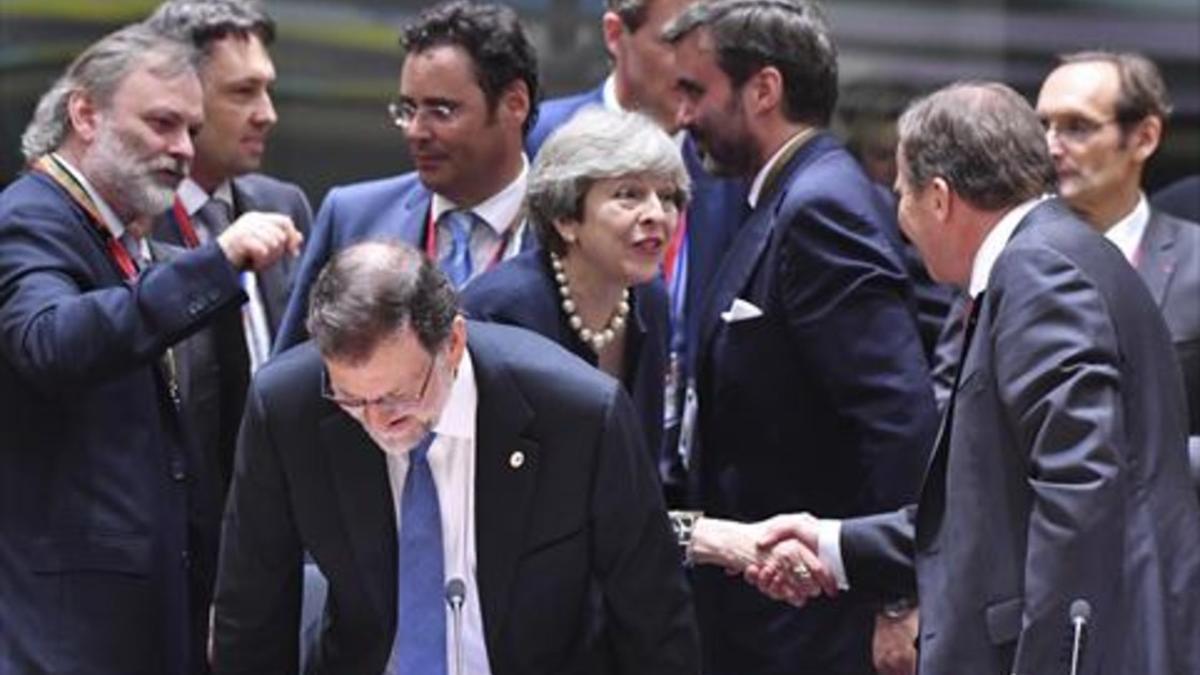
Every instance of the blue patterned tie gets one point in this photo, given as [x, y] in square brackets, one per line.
[420, 645]
[457, 265]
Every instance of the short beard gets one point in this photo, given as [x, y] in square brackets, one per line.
[128, 184]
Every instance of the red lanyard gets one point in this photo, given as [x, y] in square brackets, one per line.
[431, 239]
[49, 166]
[674, 247]
[187, 232]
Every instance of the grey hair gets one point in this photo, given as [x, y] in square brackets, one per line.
[983, 139]
[596, 143]
[373, 289]
[97, 72]
[203, 22]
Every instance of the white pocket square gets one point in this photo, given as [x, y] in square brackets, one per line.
[740, 310]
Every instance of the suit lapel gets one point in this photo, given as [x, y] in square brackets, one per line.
[1157, 264]
[365, 497]
[504, 482]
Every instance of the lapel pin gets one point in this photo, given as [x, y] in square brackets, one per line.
[516, 459]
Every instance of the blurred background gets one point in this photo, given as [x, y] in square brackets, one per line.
[338, 64]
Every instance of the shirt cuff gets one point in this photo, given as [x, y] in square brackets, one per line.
[829, 550]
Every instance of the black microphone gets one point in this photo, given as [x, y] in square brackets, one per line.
[456, 595]
[1081, 611]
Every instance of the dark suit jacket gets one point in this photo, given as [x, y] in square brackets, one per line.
[1170, 266]
[1060, 474]
[553, 113]
[107, 516]
[821, 404]
[579, 526]
[522, 292]
[1180, 199]
[257, 192]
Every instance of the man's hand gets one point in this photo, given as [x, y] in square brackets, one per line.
[893, 651]
[256, 240]
[790, 568]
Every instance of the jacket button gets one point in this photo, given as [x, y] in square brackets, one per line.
[177, 471]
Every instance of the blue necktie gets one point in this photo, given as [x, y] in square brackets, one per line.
[457, 265]
[420, 645]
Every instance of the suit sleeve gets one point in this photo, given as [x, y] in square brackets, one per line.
[61, 330]
[844, 295]
[877, 552]
[1057, 365]
[317, 249]
[258, 592]
[649, 610]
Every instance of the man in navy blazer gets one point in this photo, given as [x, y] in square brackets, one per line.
[1058, 486]
[108, 514]
[643, 79]
[548, 510]
[468, 91]
[813, 387]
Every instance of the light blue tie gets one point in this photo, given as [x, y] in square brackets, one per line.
[457, 265]
[420, 645]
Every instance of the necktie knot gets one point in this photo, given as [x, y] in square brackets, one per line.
[216, 215]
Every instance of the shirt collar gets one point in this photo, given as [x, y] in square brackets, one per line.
[193, 197]
[609, 94]
[458, 417]
[761, 177]
[1127, 232]
[111, 220]
[994, 243]
[500, 210]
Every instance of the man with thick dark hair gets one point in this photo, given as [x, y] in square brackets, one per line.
[421, 458]
[1058, 489]
[108, 515]
[812, 383]
[468, 94]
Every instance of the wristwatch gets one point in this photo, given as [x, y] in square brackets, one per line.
[683, 523]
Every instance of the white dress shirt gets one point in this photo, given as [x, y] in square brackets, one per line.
[452, 463]
[1127, 233]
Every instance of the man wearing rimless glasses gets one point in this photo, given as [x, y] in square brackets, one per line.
[1105, 114]
[468, 94]
[478, 498]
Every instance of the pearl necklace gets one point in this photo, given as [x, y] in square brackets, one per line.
[596, 339]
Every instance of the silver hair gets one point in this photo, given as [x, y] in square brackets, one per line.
[596, 143]
[97, 72]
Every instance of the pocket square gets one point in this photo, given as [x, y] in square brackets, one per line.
[740, 310]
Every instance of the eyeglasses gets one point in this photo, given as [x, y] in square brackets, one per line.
[1074, 129]
[389, 405]
[404, 113]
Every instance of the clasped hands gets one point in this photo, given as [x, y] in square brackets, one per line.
[778, 556]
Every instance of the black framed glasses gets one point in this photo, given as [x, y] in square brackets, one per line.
[389, 405]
